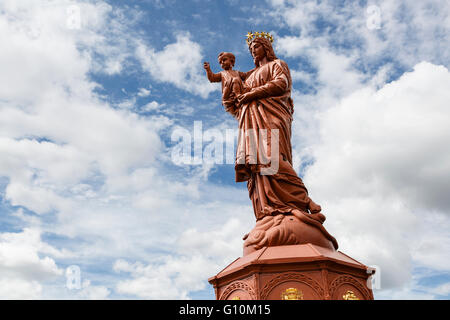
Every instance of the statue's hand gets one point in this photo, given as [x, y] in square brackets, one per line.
[245, 98]
[206, 65]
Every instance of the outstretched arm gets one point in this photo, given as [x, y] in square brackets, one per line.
[212, 77]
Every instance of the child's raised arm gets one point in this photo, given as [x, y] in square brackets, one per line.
[212, 77]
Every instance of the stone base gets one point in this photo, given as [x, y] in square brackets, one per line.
[293, 272]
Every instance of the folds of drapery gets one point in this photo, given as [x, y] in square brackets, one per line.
[264, 151]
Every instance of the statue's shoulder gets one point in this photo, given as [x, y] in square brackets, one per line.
[281, 63]
[283, 67]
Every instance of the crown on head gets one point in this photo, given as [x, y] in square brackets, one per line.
[253, 35]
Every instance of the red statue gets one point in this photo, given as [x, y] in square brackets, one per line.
[261, 101]
[232, 85]
[288, 254]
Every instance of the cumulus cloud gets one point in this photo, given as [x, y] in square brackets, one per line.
[174, 278]
[370, 144]
[25, 264]
[62, 147]
[383, 161]
[406, 32]
[91, 292]
[387, 135]
[200, 254]
[96, 174]
[143, 92]
[178, 63]
[152, 106]
[56, 134]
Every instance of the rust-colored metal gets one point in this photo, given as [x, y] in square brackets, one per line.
[274, 273]
[288, 221]
[260, 99]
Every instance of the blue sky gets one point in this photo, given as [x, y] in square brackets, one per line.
[91, 93]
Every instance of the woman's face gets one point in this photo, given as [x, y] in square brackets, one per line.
[257, 51]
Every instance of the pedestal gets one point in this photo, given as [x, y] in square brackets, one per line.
[293, 272]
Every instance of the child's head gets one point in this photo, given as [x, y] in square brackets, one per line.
[226, 60]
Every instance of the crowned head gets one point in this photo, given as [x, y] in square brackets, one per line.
[264, 40]
[255, 35]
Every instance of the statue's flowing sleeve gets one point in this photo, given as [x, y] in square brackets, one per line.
[259, 120]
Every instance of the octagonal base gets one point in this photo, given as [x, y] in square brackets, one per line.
[293, 272]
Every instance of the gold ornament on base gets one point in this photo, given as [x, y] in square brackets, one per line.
[350, 295]
[292, 294]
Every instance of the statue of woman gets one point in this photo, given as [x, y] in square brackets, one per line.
[268, 106]
[285, 214]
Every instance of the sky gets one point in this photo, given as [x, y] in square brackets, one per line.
[97, 98]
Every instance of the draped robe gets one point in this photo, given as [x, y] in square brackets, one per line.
[282, 191]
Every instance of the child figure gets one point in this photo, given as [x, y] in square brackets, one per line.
[232, 85]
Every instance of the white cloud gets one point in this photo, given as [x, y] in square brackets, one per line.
[143, 92]
[292, 46]
[19, 289]
[407, 293]
[224, 243]
[431, 249]
[200, 255]
[96, 176]
[298, 75]
[387, 147]
[179, 63]
[389, 134]
[45, 93]
[381, 171]
[443, 289]
[172, 279]
[91, 292]
[63, 149]
[152, 106]
[408, 32]
[25, 264]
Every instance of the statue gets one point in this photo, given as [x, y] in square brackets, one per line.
[260, 100]
[288, 254]
[232, 85]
